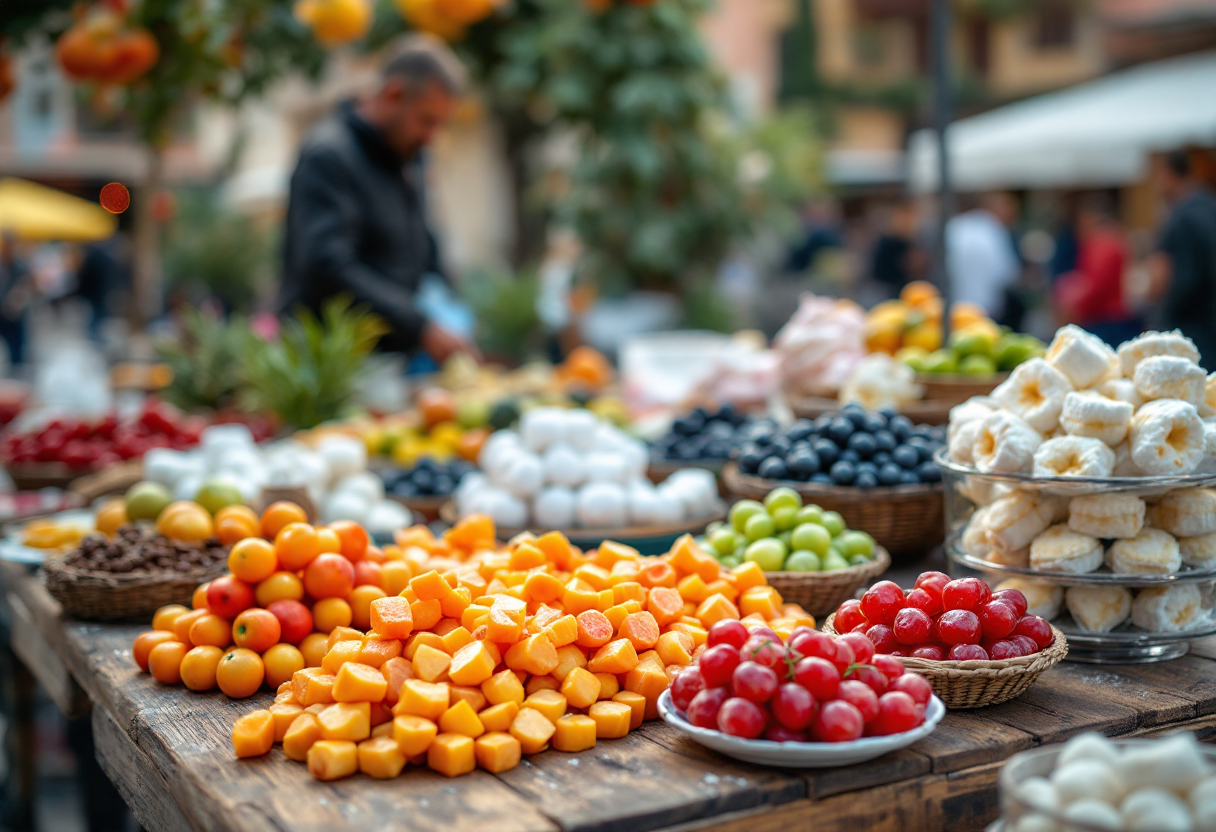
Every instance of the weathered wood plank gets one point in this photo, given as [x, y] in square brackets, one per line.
[969, 738]
[31, 646]
[139, 782]
[895, 767]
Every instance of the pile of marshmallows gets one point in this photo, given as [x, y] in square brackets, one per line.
[566, 469]
[1083, 410]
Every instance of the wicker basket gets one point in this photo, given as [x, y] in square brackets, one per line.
[957, 388]
[94, 596]
[820, 593]
[924, 412]
[906, 520]
[113, 479]
[978, 684]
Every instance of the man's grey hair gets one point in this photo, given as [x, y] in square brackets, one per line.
[421, 60]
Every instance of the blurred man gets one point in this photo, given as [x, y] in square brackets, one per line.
[980, 255]
[356, 216]
[1182, 272]
[896, 259]
[1091, 295]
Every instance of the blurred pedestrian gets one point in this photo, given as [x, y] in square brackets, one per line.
[820, 231]
[896, 259]
[1182, 272]
[1091, 295]
[104, 269]
[356, 214]
[16, 294]
[980, 253]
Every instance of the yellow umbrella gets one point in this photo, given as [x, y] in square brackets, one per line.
[36, 212]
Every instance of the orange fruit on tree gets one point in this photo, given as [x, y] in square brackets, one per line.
[277, 515]
[281, 661]
[424, 16]
[211, 630]
[135, 53]
[330, 613]
[296, 545]
[335, 22]
[252, 560]
[464, 12]
[329, 576]
[360, 600]
[256, 629]
[281, 586]
[165, 662]
[199, 666]
[353, 539]
[240, 673]
[144, 642]
[166, 616]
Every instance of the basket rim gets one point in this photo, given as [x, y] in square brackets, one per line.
[861, 572]
[62, 570]
[883, 493]
[1036, 662]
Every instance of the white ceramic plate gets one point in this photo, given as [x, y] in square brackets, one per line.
[14, 551]
[801, 754]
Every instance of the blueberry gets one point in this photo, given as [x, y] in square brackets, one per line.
[774, 469]
[906, 456]
[880, 458]
[874, 422]
[923, 431]
[823, 422]
[852, 407]
[760, 433]
[779, 446]
[715, 449]
[719, 430]
[843, 473]
[840, 430]
[803, 463]
[920, 443]
[688, 450]
[889, 474]
[850, 455]
[426, 463]
[405, 488]
[857, 417]
[909, 478]
[423, 479]
[821, 479]
[444, 485]
[801, 429]
[864, 444]
[683, 426]
[866, 480]
[888, 413]
[727, 413]
[885, 440]
[929, 472]
[700, 413]
[827, 450]
[900, 427]
[749, 460]
[867, 467]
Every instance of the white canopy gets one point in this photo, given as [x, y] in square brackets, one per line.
[1096, 134]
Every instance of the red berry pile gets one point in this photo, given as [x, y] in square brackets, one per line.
[814, 688]
[941, 619]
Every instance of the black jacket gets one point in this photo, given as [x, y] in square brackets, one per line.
[356, 225]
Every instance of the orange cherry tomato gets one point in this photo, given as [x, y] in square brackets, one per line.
[353, 537]
[252, 560]
[240, 673]
[144, 642]
[199, 666]
[165, 662]
[281, 661]
[277, 515]
[256, 629]
[166, 616]
[296, 545]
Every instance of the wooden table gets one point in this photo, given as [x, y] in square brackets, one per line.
[168, 752]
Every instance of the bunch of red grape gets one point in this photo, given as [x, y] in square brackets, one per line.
[814, 688]
[942, 619]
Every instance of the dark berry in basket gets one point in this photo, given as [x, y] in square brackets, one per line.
[713, 436]
[136, 551]
[428, 477]
[773, 468]
[843, 473]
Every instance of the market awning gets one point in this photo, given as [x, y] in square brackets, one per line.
[36, 212]
[1096, 134]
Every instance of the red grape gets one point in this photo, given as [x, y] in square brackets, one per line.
[997, 619]
[890, 667]
[741, 718]
[932, 582]
[917, 687]
[1012, 597]
[837, 721]
[763, 632]
[844, 655]
[861, 696]
[933, 652]
[882, 601]
[727, 631]
[898, 653]
[800, 630]
[703, 710]
[1027, 646]
[793, 706]
[771, 654]
[754, 682]
[883, 638]
[963, 594]
[912, 626]
[813, 643]
[687, 684]
[958, 626]
[926, 602]
[779, 733]
[1004, 649]
[871, 677]
[819, 676]
[1037, 629]
[860, 629]
[849, 615]
[718, 664]
[897, 713]
[863, 648]
[967, 652]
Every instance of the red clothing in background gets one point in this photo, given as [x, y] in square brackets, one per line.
[1093, 294]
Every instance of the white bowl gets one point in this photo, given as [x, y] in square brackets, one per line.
[801, 754]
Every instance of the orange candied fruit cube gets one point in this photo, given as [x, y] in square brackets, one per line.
[253, 734]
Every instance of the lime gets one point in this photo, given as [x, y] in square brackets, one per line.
[146, 500]
[802, 561]
[214, 495]
[811, 537]
[724, 541]
[855, 543]
[742, 511]
[758, 526]
[731, 561]
[809, 514]
[786, 537]
[834, 523]
[713, 527]
[779, 497]
[859, 560]
[977, 365]
[941, 361]
[784, 518]
[768, 554]
[833, 560]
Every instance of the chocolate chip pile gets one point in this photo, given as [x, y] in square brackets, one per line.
[135, 552]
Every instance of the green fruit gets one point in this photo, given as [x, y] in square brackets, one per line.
[834, 523]
[941, 361]
[977, 365]
[731, 561]
[473, 413]
[759, 526]
[914, 357]
[811, 537]
[784, 518]
[786, 538]
[809, 514]
[743, 511]
[802, 561]
[146, 500]
[736, 555]
[970, 343]
[724, 541]
[768, 554]
[781, 497]
[855, 543]
[833, 560]
[1013, 349]
[503, 414]
[859, 560]
[214, 495]
[713, 527]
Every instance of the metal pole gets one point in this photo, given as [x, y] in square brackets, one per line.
[940, 24]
